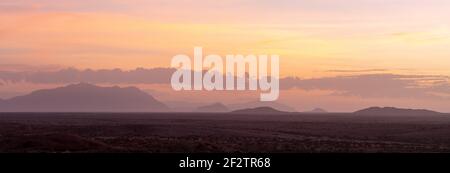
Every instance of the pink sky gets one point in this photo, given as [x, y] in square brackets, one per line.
[316, 39]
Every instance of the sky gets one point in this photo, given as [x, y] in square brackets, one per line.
[315, 39]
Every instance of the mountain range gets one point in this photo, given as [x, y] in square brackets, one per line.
[84, 97]
[391, 111]
[317, 111]
[216, 107]
[259, 110]
[255, 104]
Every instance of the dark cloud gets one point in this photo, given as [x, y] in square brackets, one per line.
[376, 85]
[71, 75]
[364, 85]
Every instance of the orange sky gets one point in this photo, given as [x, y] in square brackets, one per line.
[312, 37]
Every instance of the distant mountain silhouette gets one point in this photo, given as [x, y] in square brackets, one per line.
[275, 105]
[259, 110]
[391, 111]
[318, 111]
[84, 98]
[216, 107]
[183, 106]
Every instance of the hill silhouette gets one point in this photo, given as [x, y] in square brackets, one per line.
[84, 97]
[255, 104]
[318, 111]
[392, 111]
[259, 110]
[216, 107]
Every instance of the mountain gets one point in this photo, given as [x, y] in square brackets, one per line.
[183, 106]
[318, 111]
[275, 105]
[84, 98]
[391, 111]
[216, 107]
[259, 110]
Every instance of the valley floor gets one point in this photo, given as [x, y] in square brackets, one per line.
[205, 133]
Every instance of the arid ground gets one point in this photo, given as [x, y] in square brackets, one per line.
[208, 132]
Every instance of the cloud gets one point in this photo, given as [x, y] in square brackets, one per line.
[28, 68]
[422, 37]
[377, 85]
[362, 85]
[71, 75]
[358, 71]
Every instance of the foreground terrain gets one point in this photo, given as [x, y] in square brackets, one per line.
[207, 132]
